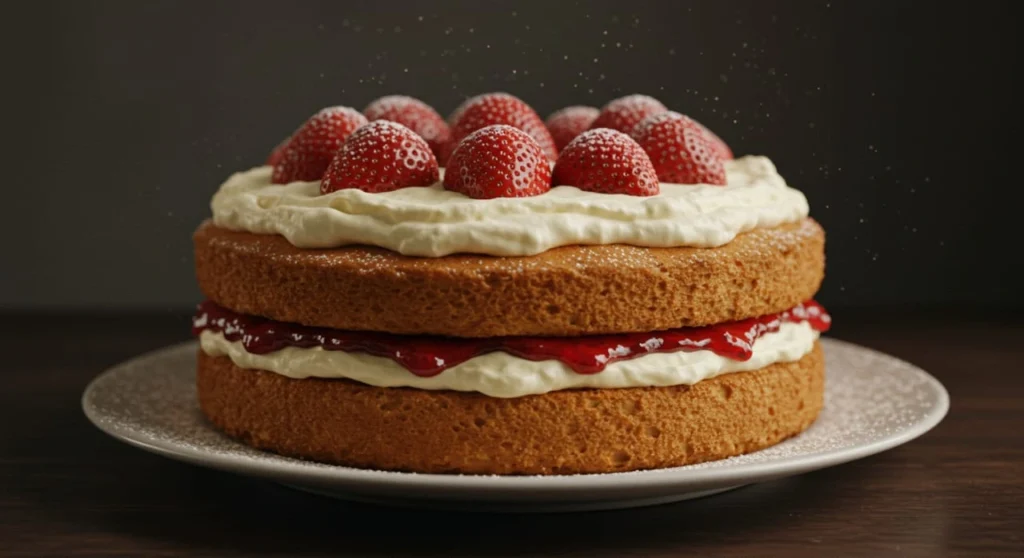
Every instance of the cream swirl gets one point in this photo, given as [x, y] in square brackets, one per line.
[499, 374]
[433, 222]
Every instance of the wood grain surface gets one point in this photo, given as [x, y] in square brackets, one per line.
[66, 489]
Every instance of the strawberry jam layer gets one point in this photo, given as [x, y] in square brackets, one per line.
[428, 355]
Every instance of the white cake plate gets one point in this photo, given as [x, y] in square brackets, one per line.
[873, 402]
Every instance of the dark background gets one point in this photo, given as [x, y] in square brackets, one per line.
[122, 118]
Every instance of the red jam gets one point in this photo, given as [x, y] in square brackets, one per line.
[429, 355]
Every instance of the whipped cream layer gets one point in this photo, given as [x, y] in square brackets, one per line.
[433, 222]
[500, 374]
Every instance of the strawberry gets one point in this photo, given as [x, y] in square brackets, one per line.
[569, 122]
[380, 157]
[278, 153]
[624, 113]
[607, 161]
[312, 147]
[446, 151]
[720, 147]
[413, 114]
[501, 108]
[498, 162]
[680, 150]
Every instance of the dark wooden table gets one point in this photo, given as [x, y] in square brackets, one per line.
[66, 489]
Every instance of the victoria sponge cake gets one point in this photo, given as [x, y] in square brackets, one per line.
[610, 289]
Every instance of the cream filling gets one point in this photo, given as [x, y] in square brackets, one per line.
[500, 374]
[434, 222]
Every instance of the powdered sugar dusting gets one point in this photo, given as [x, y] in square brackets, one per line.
[310, 150]
[569, 122]
[498, 161]
[606, 160]
[413, 114]
[381, 156]
[871, 399]
[624, 113]
[501, 108]
[680, 149]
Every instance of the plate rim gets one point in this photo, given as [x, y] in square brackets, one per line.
[281, 467]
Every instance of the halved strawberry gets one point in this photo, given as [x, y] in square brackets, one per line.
[278, 153]
[607, 161]
[680, 150]
[413, 114]
[569, 122]
[380, 157]
[312, 147]
[721, 148]
[446, 151]
[624, 113]
[501, 108]
[498, 161]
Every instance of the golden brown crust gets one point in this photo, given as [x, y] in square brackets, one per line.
[563, 432]
[568, 291]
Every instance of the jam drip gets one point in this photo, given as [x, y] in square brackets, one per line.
[429, 355]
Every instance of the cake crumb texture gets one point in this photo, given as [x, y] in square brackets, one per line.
[562, 432]
[567, 291]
